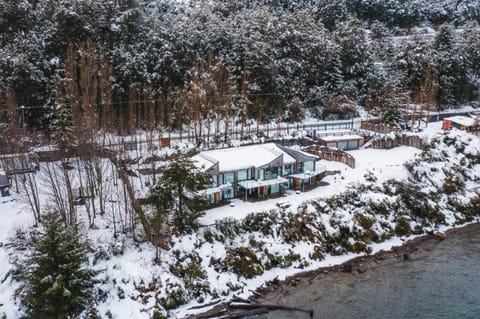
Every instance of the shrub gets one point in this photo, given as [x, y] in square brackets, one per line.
[174, 299]
[403, 227]
[243, 262]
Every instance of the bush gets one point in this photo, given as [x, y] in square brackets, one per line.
[243, 262]
[317, 253]
[403, 227]
[174, 299]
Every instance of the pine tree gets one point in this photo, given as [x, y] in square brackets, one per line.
[391, 114]
[175, 195]
[56, 282]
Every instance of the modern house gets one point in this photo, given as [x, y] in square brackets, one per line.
[343, 142]
[256, 171]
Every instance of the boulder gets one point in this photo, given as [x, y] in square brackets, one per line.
[362, 268]
[440, 235]
[347, 268]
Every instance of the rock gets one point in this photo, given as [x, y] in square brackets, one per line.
[362, 268]
[440, 235]
[347, 268]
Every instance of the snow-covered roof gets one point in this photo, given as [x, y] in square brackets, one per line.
[237, 158]
[254, 183]
[341, 138]
[213, 190]
[203, 161]
[462, 120]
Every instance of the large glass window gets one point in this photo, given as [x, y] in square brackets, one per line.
[308, 166]
[271, 172]
[332, 144]
[214, 181]
[228, 178]
[259, 174]
[352, 145]
[343, 145]
[274, 189]
[243, 175]
[211, 199]
[287, 169]
[227, 194]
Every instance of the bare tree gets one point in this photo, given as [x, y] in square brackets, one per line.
[425, 96]
[244, 102]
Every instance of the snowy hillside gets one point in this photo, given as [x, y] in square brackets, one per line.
[390, 195]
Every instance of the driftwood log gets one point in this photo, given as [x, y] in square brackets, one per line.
[269, 307]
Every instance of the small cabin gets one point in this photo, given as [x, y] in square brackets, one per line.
[463, 123]
[343, 142]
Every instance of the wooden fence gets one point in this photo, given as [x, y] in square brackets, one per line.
[376, 127]
[406, 140]
[330, 154]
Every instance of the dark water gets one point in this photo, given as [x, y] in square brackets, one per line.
[440, 280]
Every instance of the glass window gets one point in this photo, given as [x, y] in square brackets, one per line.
[271, 173]
[352, 145]
[227, 194]
[332, 144]
[243, 175]
[214, 181]
[308, 166]
[211, 198]
[259, 174]
[343, 145]
[287, 169]
[228, 178]
[274, 189]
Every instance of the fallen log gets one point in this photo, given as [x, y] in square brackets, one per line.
[245, 314]
[256, 293]
[210, 315]
[269, 307]
[238, 299]
[206, 305]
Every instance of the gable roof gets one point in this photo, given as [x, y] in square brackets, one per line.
[237, 158]
[462, 120]
[298, 155]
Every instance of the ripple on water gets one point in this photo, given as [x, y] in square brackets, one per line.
[443, 282]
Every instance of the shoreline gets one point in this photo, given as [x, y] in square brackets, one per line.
[271, 292]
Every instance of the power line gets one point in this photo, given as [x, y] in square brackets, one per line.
[250, 94]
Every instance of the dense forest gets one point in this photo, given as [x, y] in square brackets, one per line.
[125, 65]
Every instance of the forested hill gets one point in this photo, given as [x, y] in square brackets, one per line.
[159, 63]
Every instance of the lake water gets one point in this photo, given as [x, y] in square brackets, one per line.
[439, 280]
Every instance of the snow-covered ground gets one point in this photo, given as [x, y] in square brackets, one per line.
[128, 266]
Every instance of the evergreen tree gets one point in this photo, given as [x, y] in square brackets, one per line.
[57, 283]
[176, 194]
[391, 114]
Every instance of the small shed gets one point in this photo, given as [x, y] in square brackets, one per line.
[461, 122]
[343, 142]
